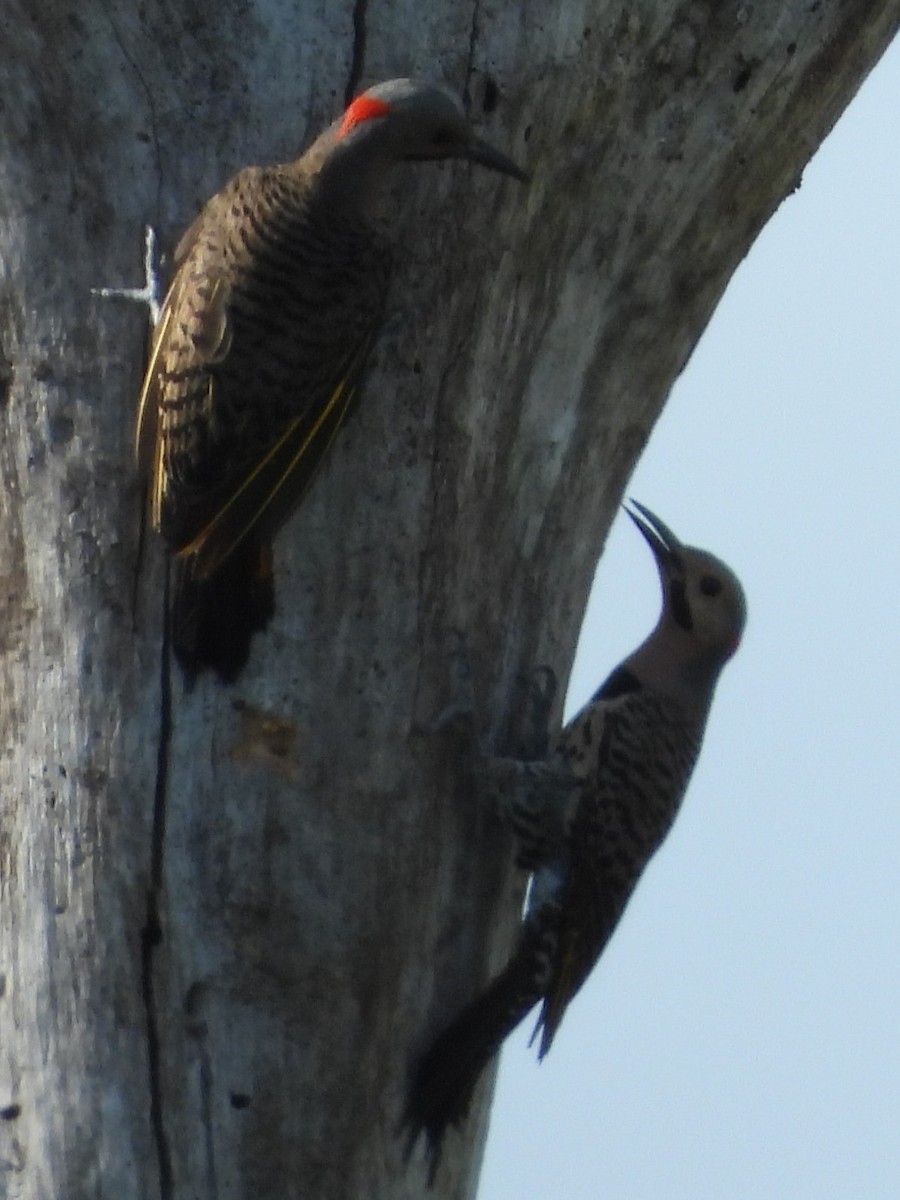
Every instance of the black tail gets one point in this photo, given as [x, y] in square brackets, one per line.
[214, 619]
[445, 1079]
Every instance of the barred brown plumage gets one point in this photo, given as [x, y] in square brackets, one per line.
[257, 357]
[587, 820]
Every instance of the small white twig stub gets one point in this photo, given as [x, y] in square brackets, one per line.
[151, 293]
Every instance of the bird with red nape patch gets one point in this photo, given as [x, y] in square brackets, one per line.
[259, 351]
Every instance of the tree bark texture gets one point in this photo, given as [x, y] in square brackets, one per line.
[231, 918]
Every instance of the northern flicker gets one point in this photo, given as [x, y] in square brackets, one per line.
[589, 817]
[257, 357]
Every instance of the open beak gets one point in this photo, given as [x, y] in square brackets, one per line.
[486, 156]
[659, 537]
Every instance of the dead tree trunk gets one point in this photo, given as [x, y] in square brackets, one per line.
[230, 918]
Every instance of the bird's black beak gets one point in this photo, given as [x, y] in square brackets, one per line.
[667, 552]
[659, 537]
[487, 156]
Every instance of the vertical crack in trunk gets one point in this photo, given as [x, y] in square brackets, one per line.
[139, 559]
[470, 56]
[206, 1103]
[358, 50]
[151, 106]
[151, 935]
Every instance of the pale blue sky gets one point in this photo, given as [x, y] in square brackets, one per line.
[741, 1036]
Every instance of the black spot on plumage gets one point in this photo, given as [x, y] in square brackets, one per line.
[620, 683]
[678, 604]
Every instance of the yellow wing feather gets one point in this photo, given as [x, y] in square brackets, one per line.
[340, 399]
[148, 404]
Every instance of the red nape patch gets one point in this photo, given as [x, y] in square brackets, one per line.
[362, 109]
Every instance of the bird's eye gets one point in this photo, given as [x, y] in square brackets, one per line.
[710, 585]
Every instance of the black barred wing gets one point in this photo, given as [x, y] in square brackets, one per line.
[256, 364]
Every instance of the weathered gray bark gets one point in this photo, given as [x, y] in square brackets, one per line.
[222, 943]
